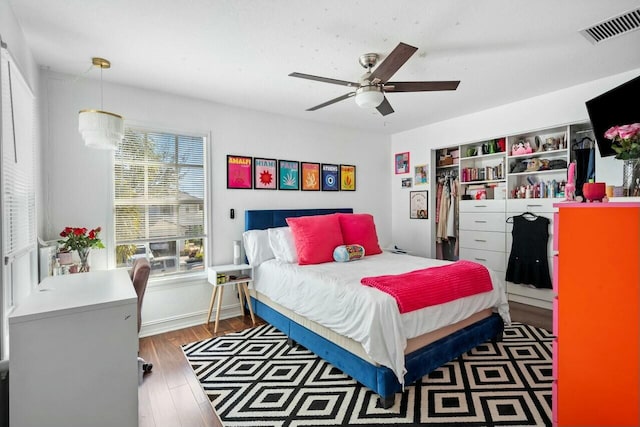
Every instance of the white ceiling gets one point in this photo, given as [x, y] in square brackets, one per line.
[241, 52]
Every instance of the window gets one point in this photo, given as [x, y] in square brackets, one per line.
[160, 201]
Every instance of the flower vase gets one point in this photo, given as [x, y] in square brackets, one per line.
[631, 177]
[83, 253]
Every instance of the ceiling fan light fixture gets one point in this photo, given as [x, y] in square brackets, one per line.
[369, 97]
[101, 129]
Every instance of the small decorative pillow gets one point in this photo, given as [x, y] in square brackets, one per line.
[346, 253]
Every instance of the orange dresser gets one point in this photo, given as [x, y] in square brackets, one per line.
[596, 355]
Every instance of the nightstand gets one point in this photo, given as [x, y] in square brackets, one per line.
[219, 277]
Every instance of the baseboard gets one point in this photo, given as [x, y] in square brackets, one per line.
[186, 320]
[531, 301]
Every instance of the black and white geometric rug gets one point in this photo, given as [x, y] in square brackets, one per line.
[253, 378]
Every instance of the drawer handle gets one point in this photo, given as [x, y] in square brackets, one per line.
[479, 240]
[480, 221]
[534, 206]
[480, 206]
[480, 259]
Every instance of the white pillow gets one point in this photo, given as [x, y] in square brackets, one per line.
[256, 246]
[283, 245]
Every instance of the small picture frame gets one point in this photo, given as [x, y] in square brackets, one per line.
[402, 162]
[419, 204]
[288, 175]
[330, 175]
[239, 172]
[407, 182]
[310, 176]
[347, 178]
[421, 175]
[265, 174]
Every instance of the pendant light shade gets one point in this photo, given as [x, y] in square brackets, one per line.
[369, 97]
[101, 129]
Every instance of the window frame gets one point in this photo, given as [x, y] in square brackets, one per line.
[177, 277]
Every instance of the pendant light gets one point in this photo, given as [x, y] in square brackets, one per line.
[99, 128]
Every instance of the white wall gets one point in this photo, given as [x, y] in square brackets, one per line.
[556, 108]
[79, 179]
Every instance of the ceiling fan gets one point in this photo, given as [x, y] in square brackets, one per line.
[370, 90]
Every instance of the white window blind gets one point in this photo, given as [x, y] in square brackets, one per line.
[18, 156]
[160, 199]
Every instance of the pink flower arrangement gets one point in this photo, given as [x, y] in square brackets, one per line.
[80, 238]
[626, 140]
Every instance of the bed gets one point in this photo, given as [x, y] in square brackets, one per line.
[382, 349]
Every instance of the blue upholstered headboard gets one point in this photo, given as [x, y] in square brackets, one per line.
[269, 218]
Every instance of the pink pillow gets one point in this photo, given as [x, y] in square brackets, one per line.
[359, 229]
[315, 237]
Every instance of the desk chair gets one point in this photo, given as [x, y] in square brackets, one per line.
[139, 276]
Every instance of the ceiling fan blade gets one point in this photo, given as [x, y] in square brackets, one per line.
[421, 86]
[324, 79]
[333, 101]
[385, 108]
[392, 63]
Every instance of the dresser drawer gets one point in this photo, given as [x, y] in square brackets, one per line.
[485, 240]
[531, 205]
[482, 205]
[490, 259]
[483, 221]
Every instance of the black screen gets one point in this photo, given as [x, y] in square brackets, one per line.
[619, 106]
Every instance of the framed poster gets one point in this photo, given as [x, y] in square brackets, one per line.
[347, 178]
[418, 204]
[421, 176]
[288, 175]
[407, 182]
[310, 180]
[239, 172]
[402, 162]
[330, 177]
[265, 175]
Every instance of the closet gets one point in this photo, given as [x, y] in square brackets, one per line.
[501, 178]
[447, 204]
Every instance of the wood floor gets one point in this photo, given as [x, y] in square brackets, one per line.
[171, 396]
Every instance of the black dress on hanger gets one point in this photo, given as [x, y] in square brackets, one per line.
[528, 259]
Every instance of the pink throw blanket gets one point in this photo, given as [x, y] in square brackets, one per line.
[434, 285]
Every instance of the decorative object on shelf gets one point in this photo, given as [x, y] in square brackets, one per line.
[594, 191]
[81, 240]
[237, 258]
[99, 128]
[570, 188]
[626, 143]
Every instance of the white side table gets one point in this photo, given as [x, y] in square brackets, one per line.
[242, 285]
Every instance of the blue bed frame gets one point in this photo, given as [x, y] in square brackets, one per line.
[380, 379]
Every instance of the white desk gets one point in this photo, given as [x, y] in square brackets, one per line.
[73, 351]
[242, 284]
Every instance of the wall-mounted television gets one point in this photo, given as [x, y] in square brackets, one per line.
[618, 106]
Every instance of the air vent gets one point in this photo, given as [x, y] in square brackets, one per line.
[613, 27]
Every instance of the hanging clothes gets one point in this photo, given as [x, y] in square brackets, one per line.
[528, 263]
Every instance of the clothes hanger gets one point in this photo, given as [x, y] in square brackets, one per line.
[531, 216]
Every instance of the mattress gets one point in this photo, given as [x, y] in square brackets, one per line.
[332, 296]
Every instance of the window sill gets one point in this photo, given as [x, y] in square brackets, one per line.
[156, 282]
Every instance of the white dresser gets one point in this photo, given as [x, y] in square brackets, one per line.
[73, 351]
[482, 233]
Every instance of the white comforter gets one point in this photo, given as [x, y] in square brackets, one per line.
[331, 294]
